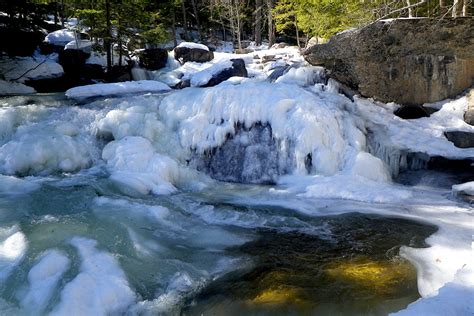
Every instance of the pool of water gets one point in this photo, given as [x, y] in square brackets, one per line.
[204, 253]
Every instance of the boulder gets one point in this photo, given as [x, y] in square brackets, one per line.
[460, 139]
[184, 54]
[153, 58]
[73, 61]
[408, 112]
[408, 61]
[237, 70]
[469, 114]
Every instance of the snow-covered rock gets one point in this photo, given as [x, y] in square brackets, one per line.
[60, 37]
[187, 51]
[21, 69]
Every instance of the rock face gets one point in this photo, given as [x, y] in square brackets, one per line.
[185, 54]
[408, 61]
[153, 58]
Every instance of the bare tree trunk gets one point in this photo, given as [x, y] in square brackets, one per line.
[297, 32]
[185, 23]
[410, 9]
[107, 43]
[457, 8]
[271, 27]
[198, 24]
[465, 8]
[173, 27]
[258, 22]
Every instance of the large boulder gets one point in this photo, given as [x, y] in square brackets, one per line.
[153, 58]
[185, 52]
[409, 61]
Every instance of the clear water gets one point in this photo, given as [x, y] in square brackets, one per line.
[226, 249]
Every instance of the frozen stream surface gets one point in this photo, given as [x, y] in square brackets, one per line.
[112, 206]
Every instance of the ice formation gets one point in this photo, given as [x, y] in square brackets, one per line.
[101, 284]
[13, 246]
[43, 279]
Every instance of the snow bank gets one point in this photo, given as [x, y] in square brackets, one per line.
[7, 87]
[21, 69]
[193, 45]
[43, 279]
[60, 37]
[101, 287]
[44, 149]
[137, 168]
[13, 245]
[467, 188]
[395, 132]
[119, 88]
[454, 298]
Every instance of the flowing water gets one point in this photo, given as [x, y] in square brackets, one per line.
[222, 249]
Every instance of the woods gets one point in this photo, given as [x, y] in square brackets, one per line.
[125, 26]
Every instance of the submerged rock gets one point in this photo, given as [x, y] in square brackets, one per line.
[408, 61]
[460, 139]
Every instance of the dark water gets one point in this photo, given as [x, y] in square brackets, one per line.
[353, 270]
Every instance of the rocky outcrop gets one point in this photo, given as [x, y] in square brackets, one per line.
[409, 61]
[153, 58]
[184, 54]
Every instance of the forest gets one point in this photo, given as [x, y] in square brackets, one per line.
[128, 25]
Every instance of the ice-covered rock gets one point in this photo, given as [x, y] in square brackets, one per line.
[137, 168]
[44, 149]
